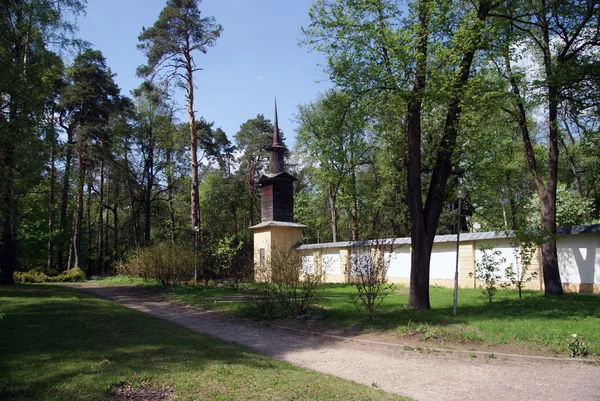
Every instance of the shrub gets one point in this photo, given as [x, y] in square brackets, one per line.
[37, 276]
[163, 262]
[284, 286]
[369, 271]
[576, 347]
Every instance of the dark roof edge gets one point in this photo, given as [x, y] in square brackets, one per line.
[567, 230]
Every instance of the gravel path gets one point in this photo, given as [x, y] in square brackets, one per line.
[419, 375]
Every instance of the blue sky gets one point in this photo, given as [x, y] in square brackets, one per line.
[256, 58]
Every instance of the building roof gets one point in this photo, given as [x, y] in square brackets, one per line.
[592, 229]
[277, 224]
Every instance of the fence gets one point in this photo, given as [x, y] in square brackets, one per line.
[578, 251]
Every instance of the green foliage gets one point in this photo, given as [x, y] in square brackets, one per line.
[179, 31]
[35, 276]
[570, 209]
[576, 347]
[220, 257]
[284, 287]
[488, 270]
[164, 262]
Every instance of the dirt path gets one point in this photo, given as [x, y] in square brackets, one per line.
[422, 376]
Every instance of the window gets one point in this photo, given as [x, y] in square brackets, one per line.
[262, 256]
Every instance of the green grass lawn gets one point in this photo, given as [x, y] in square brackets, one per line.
[537, 322]
[58, 343]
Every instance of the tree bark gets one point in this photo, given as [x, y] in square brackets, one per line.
[354, 206]
[51, 194]
[420, 243]
[195, 205]
[333, 207]
[77, 260]
[424, 221]
[546, 191]
[99, 262]
[250, 181]
[63, 239]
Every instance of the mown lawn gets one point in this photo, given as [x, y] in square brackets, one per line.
[58, 343]
[536, 321]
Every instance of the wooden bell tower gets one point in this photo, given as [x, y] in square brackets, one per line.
[277, 230]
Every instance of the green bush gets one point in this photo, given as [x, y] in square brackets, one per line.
[163, 262]
[284, 287]
[37, 276]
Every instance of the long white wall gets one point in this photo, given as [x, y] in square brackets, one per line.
[578, 259]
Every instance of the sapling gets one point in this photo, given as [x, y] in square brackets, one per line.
[488, 270]
[519, 275]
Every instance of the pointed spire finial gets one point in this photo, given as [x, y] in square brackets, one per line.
[275, 127]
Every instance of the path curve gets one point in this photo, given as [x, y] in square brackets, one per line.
[421, 376]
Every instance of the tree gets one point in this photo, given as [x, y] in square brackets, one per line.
[26, 26]
[169, 45]
[332, 132]
[91, 97]
[254, 136]
[564, 37]
[372, 50]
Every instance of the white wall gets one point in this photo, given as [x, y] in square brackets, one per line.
[399, 262]
[331, 262]
[308, 263]
[443, 260]
[579, 258]
[506, 251]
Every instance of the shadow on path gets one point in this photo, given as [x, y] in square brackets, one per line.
[422, 376]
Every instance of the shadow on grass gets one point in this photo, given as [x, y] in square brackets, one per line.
[58, 343]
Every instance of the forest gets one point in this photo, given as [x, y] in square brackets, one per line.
[497, 97]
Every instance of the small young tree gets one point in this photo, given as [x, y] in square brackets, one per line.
[488, 270]
[524, 249]
[368, 273]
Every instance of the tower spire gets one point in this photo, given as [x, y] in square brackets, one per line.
[275, 127]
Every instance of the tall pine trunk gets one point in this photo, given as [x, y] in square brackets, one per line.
[51, 139]
[99, 262]
[194, 194]
[77, 259]
[63, 238]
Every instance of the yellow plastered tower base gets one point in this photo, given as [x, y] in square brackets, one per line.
[269, 238]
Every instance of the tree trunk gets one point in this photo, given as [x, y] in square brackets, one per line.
[88, 213]
[552, 281]
[115, 210]
[7, 207]
[149, 167]
[106, 227]
[546, 191]
[195, 206]
[424, 221]
[250, 180]
[333, 207]
[60, 249]
[573, 167]
[51, 196]
[77, 260]
[354, 207]
[99, 230]
[420, 252]
[170, 195]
